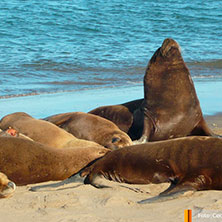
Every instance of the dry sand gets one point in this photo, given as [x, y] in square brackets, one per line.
[71, 200]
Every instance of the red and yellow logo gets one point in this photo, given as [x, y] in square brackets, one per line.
[187, 215]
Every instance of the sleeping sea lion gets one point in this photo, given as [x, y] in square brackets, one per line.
[7, 187]
[43, 131]
[121, 115]
[27, 162]
[170, 107]
[91, 127]
[188, 163]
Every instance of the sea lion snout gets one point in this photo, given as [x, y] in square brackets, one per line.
[7, 187]
[11, 185]
[118, 141]
[167, 45]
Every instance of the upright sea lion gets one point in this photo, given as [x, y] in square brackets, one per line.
[27, 162]
[7, 187]
[188, 163]
[91, 127]
[43, 131]
[170, 107]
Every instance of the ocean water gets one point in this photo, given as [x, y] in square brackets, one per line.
[54, 46]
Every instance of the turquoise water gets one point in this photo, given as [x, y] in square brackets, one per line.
[57, 46]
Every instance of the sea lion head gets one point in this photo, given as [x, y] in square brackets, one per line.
[7, 187]
[167, 79]
[167, 45]
[117, 140]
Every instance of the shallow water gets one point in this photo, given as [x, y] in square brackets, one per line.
[56, 46]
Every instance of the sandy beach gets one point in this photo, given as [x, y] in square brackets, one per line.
[71, 200]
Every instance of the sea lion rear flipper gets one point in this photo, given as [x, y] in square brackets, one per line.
[172, 192]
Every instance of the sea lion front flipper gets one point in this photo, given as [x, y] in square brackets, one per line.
[149, 127]
[202, 129]
[95, 180]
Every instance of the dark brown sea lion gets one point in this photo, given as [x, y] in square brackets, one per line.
[170, 107]
[121, 115]
[27, 162]
[91, 127]
[43, 131]
[188, 163]
[7, 187]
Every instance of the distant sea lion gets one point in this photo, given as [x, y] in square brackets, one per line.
[188, 163]
[170, 108]
[27, 162]
[91, 127]
[7, 187]
[42, 131]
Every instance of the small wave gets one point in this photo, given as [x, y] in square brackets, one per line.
[48, 93]
[19, 95]
[71, 83]
[208, 77]
[214, 64]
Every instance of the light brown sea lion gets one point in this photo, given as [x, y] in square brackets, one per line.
[7, 187]
[42, 131]
[27, 162]
[170, 107]
[91, 127]
[188, 163]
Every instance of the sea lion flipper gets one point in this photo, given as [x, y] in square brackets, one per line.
[95, 180]
[172, 192]
[162, 198]
[149, 126]
[202, 129]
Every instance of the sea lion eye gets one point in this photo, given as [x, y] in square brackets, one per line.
[115, 139]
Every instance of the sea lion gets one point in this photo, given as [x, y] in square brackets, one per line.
[42, 131]
[7, 187]
[28, 162]
[170, 107]
[91, 127]
[122, 115]
[188, 163]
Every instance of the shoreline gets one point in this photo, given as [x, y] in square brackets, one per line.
[43, 105]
